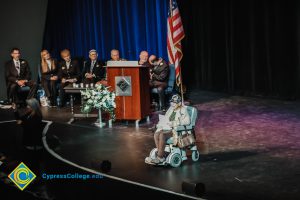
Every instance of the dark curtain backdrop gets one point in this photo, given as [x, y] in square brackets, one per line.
[245, 47]
[128, 25]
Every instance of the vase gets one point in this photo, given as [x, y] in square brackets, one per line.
[99, 122]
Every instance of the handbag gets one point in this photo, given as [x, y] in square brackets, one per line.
[186, 138]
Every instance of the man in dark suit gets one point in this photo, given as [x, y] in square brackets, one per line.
[17, 76]
[143, 59]
[69, 73]
[93, 70]
[159, 74]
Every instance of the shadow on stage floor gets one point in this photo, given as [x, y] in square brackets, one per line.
[251, 152]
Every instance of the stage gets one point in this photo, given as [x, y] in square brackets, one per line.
[249, 149]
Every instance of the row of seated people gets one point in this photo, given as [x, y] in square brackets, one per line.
[53, 73]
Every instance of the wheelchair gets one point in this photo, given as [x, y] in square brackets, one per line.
[175, 154]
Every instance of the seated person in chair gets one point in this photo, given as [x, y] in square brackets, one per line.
[93, 70]
[143, 59]
[48, 67]
[159, 74]
[18, 75]
[69, 73]
[177, 115]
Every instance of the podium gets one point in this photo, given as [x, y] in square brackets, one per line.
[130, 81]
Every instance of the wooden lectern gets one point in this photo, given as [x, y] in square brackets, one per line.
[130, 81]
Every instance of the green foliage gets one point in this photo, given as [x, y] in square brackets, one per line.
[100, 98]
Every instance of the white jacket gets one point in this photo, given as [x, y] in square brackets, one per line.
[182, 118]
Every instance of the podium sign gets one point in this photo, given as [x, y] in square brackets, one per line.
[131, 83]
[123, 86]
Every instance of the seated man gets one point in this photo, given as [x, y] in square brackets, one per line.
[18, 75]
[93, 70]
[69, 72]
[159, 73]
[176, 115]
[143, 59]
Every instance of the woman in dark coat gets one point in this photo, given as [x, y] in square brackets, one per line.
[30, 118]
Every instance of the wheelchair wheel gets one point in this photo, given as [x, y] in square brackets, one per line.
[153, 153]
[175, 160]
[195, 155]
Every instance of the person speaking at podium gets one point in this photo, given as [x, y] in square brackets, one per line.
[115, 55]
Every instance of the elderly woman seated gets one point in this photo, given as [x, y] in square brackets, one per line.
[176, 115]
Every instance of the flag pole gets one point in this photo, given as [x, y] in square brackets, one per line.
[180, 78]
[181, 89]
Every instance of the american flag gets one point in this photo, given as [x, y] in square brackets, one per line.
[175, 35]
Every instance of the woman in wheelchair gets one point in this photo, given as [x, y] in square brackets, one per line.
[176, 115]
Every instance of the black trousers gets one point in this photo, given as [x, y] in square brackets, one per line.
[161, 86]
[50, 90]
[16, 93]
[62, 94]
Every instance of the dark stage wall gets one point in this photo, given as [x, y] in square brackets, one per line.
[22, 25]
[248, 47]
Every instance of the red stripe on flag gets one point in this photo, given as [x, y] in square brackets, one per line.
[175, 35]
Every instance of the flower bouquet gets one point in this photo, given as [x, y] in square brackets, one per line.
[100, 98]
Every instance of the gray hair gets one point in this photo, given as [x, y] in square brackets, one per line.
[92, 51]
[34, 105]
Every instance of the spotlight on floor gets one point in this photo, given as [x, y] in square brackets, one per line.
[194, 189]
[105, 166]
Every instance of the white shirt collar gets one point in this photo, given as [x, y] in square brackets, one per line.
[15, 61]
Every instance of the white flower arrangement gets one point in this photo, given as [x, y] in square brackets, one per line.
[100, 98]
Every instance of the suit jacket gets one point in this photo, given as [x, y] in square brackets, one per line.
[98, 70]
[146, 64]
[72, 72]
[51, 72]
[161, 72]
[11, 73]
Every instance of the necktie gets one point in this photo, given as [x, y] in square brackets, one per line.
[172, 116]
[92, 66]
[18, 66]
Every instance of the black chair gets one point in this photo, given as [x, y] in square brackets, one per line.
[170, 88]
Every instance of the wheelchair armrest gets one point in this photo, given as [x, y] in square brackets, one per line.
[183, 128]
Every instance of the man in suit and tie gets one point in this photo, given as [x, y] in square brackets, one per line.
[17, 76]
[93, 70]
[69, 73]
